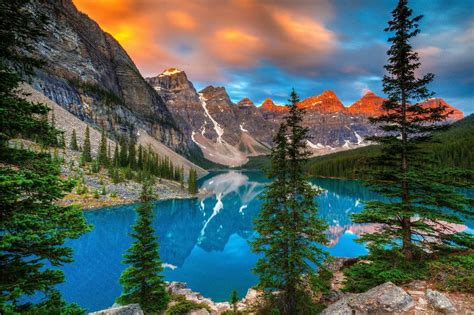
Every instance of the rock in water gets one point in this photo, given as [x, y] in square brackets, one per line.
[131, 309]
[440, 302]
[386, 298]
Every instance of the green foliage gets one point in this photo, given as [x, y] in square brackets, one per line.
[103, 192]
[452, 148]
[384, 265]
[184, 306]
[123, 155]
[288, 227]
[422, 203]
[132, 159]
[449, 272]
[102, 157]
[113, 194]
[33, 228]
[234, 299]
[86, 147]
[142, 281]
[453, 273]
[192, 182]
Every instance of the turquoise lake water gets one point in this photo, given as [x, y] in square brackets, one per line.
[203, 242]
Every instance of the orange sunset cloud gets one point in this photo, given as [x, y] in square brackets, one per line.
[207, 37]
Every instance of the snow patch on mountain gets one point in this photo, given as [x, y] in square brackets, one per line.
[170, 71]
[217, 127]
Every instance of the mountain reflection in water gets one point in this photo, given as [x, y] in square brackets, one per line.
[203, 242]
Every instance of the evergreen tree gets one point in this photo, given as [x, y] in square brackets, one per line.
[289, 230]
[115, 159]
[181, 178]
[123, 152]
[142, 281]
[140, 157]
[33, 228]
[421, 205]
[234, 299]
[132, 157]
[86, 147]
[73, 145]
[102, 154]
[192, 182]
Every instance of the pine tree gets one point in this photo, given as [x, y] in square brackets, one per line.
[33, 227]
[86, 147]
[234, 299]
[132, 158]
[123, 152]
[181, 178]
[73, 145]
[102, 154]
[140, 157]
[115, 159]
[288, 227]
[192, 181]
[142, 281]
[422, 206]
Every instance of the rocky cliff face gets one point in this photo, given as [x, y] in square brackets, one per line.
[371, 105]
[228, 133]
[88, 73]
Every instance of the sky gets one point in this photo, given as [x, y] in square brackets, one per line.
[263, 48]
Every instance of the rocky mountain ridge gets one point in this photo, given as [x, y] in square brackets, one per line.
[229, 133]
[88, 73]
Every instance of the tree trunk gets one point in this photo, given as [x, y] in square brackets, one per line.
[406, 221]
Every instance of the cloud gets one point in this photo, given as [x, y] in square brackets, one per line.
[207, 37]
[262, 48]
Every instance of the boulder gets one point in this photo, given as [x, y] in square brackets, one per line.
[131, 309]
[440, 302]
[202, 311]
[385, 298]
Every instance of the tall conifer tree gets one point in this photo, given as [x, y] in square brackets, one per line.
[73, 145]
[33, 228]
[289, 230]
[142, 281]
[86, 147]
[123, 152]
[422, 205]
[102, 154]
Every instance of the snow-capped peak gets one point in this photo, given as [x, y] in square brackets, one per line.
[170, 71]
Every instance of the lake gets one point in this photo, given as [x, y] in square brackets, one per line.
[203, 242]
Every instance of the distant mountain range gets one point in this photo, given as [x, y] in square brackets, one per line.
[88, 73]
[229, 133]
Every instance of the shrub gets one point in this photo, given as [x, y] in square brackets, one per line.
[454, 273]
[113, 194]
[184, 306]
[383, 266]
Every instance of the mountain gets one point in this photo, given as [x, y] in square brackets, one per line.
[230, 133]
[451, 148]
[88, 73]
[326, 102]
[226, 133]
[371, 105]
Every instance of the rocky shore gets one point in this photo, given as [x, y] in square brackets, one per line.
[414, 298]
